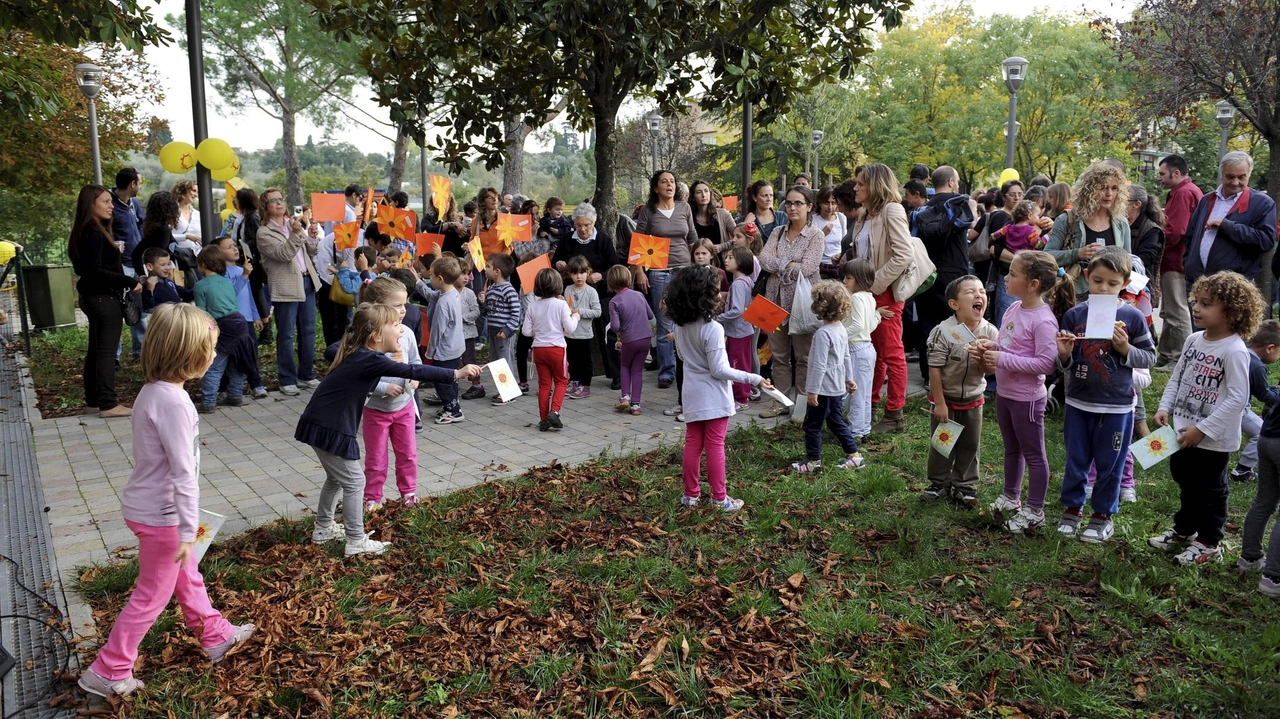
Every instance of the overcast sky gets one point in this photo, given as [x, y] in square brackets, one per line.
[253, 129]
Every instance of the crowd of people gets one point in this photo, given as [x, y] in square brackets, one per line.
[989, 294]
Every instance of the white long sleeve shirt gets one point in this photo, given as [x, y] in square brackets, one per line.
[1209, 390]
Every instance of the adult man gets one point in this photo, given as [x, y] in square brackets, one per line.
[1232, 228]
[126, 227]
[1179, 203]
[355, 199]
[943, 227]
[507, 199]
[920, 171]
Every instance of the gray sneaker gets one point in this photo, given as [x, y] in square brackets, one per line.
[366, 546]
[95, 683]
[322, 536]
[309, 383]
[290, 390]
[1098, 531]
[241, 633]
[1068, 523]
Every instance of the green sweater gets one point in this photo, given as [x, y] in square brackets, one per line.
[215, 295]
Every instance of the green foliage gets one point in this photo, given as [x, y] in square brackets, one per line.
[76, 22]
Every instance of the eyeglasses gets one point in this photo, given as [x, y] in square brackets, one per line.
[276, 201]
[794, 203]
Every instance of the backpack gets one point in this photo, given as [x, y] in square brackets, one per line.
[942, 220]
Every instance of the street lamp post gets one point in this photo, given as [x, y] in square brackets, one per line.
[1014, 71]
[199, 116]
[655, 129]
[1226, 116]
[89, 78]
[817, 165]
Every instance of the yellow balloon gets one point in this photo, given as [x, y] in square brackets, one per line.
[227, 172]
[178, 157]
[225, 214]
[7, 252]
[1009, 174]
[215, 154]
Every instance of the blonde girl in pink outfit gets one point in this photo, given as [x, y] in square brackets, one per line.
[161, 502]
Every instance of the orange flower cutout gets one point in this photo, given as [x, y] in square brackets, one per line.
[944, 437]
[477, 254]
[346, 235]
[649, 252]
[515, 228]
[440, 187]
[386, 217]
[202, 532]
[1157, 447]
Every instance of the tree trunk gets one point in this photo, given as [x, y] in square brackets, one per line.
[513, 169]
[397, 161]
[605, 198]
[292, 165]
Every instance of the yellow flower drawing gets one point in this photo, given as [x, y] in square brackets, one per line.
[1157, 447]
[202, 533]
[944, 437]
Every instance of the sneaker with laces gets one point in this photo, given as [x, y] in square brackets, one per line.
[807, 467]
[371, 506]
[774, 410]
[94, 683]
[932, 495]
[1266, 585]
[1244, 474]
[241, 634]
[635, 410]
[323, 535]
[410, 500]
[499, 401]
[1068, 523]
[624, 403]
[1004, 506]
[367, 545]
[553, 418]
[1128, 495]
[450, 418]
[853, 461]
[309, 383]
[1025, 520]
[741, 407]
[1197, 553]
[755, 395]
[687, 501]
[1098, 531]
[728, 504]
[290, 390]
[965, 497]
[432, 400]
[583, 392]
[474, 392]
[1171, 541]
[572, 389]
[673, 411]
[260, 393]
[524, 387]
[1244, 566]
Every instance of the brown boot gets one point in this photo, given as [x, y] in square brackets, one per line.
[890, 424]
[116, 411]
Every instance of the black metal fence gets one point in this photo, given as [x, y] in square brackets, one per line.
[16, 326]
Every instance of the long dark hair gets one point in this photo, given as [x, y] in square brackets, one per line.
[711, 199]
[652, 204]
[246, 201]
[86, 220]
[162, 212]
[754, 190]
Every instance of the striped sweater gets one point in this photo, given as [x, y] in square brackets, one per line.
[502, 308]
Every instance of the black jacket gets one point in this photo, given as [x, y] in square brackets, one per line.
[943, 226]
[1148, 243]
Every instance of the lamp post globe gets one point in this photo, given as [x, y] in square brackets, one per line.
[1226, 115]
[1014, 71]
[89, 79]
[655, 129]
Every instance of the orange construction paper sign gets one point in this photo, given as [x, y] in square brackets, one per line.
[529, 271]
[346, 235]
[515, 228]
[649, 252]
[402, 225]
[477, 253]
[368, 205]
[440, 187]
[731, 203]
[328, 207]
[386, 217]
[426, 241]
[764, 314]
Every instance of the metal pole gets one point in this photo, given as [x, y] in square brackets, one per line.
[746, 158]
[1222, 144]
[426, 187]
[817, 169]
[199, 120]
[1013, 129]
[653, 145]
[93, 142]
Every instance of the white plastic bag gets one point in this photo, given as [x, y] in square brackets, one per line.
[802, 320]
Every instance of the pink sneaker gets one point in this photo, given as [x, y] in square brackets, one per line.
[241, 634]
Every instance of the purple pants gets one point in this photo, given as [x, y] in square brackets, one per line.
[632, 368]
[1022, 428]
[1126, 479]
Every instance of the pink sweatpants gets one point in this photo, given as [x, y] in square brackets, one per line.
[159, 578]
[740, 350]
[708, 435]
[399, 426]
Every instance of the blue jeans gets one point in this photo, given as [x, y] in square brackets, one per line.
[297, 320]
[828, 411]
[658, 280]
[448, 391]
[212, 378]
[1101, 440]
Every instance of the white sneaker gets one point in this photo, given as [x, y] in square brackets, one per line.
[371, 506]
[1128, 494]
[95, 683]
[1244, 566]
[1171, 541]
[290, 390]
[741, 407]
[309, 383]
[673, 411]
[1197, 553]
[260, 393]
[1098, 531]
[1005, 506]
[1026, 518]
[321, 536]
[366, 546]
[219, 652]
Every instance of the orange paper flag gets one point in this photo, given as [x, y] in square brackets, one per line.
[477, 254]
[764, 314]
[402, 225]
[386, 217]
[731, 203]
[529, 271]
[368, 205]
[515, 228]
[328, 207]
[426, 241]
[649, 252]
[346, 235]
[440, 187]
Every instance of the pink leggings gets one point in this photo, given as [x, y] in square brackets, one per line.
[399, 426]
[708, 435]
[159, 578]
[740, 350]
[632, 368]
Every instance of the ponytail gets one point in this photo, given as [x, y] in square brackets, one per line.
[1062, 296]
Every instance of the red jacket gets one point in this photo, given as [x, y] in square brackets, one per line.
[1178, 206]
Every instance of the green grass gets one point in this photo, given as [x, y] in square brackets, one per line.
[836, 596]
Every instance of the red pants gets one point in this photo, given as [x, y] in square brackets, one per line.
[740, 350]
[707, 435]
[891, 358]
[552, 377]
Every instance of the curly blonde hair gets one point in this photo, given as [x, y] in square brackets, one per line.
[1241, 302]
[831, 301]
[1091, 182]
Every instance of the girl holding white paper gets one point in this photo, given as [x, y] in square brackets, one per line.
[161, 502]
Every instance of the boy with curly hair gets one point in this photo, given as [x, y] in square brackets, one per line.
[830, 378]
[1205, 397]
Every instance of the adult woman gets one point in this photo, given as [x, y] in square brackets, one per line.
[833, 224]
[245, 235]
[1011, 193]
[709, 220]
[1058, 199]
[664, 216]
[485, 225]
[883, 237]
[792, 250]
[286, 256]
[760, 208]
[100, 266]
[1146, 230]
[599, 251]
[157, 226]
[1097, 218]
[845, 194]
[432, 221]
[186, 234]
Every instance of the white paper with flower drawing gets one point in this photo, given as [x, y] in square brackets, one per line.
[504, 379]
[945, 436]
[1155, 447]
[210, 523]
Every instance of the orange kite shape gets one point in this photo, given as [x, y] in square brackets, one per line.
[764, 314]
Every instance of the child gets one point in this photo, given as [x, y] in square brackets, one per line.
[956, 387]
[830, 378]
[859, 274]
[554, 226]
[159, 289]
[748, 236]
[1206, 395]
[390, 412]
[548, 321]
[161, 502]
[738, 333]
[470, 331]
[501, 306]
[703, 252]
[1026, 351]
[349, 279]
[691, 300]
[1099, 396]
[1023, 233]
[583, 298]
[239, 278]
[444, 318]
[1264, 349]
[631, 318]
[1264, 504]
[332, 418]
[524, 343]
[237, 350]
